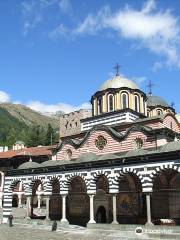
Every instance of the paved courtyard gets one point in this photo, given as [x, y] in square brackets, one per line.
[29, 232]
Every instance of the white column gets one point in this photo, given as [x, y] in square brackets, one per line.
[114, 210]
[148, 205]
[28, 206]
[39, 201]
[20, 187]
[2, 181]
[1, 197]
[64, 208]
[19, 200]
[47, 208]
[91, 209]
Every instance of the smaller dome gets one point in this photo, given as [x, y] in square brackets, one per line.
[118, 82]
[30, 164]
[153, 101]
[20, 143]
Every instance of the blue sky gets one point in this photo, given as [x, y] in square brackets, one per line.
[54, 54]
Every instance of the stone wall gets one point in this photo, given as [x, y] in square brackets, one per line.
[70, 123]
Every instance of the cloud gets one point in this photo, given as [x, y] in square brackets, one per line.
[37, 12]
[31, 15]
[139, 80]
[157, 66]
[65, 6]
[4, 97]
[52, 108]
[156, 30]
[34, 12]
[60, 31]
[45, 108]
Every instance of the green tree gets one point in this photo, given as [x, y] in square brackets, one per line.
[51, 135]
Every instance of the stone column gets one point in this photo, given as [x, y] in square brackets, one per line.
[28, 206]
[148, 205]
[1, 199]
[64, 208]
[91, 209]
[2, 181]
[39, 201]
[47, 208]
[19, 200]
[114, 210]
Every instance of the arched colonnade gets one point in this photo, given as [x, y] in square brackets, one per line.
[100, 198]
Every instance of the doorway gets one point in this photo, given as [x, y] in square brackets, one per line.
[101, 215]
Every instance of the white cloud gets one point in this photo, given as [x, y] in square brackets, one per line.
[61, 30]
[65, 6]
[34, 13]
[4, 97]
[45, 108]
[157, 66]
[93, 23]
[139, 80]
[52, 108]
[156, 30]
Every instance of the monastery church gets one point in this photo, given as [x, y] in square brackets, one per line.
[116, 164]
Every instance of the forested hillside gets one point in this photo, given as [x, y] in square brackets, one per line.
[33, 133]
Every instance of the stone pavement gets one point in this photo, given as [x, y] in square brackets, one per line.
[29, 232]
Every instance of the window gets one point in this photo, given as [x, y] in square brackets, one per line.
[159, 112]
[138, 143]
[124, 100]
[100, 105]
[68, 154]
[136, 103]
[110, 103]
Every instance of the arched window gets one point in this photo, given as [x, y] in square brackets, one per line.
[159, 112]
[68, 154]
[110, 103]
[124, 100]
[100, 103]
[136, 103]
[138, 143]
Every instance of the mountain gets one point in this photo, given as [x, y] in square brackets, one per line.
[28, 116]
[20, 123]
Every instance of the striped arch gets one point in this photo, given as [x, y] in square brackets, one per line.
[94, 177]
[161, 168]
[14, 182]
[33, 180]
[122, 172]
[69, 177]
[49, 184]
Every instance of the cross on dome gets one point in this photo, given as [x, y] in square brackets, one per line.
[117, 68]
[150, 85]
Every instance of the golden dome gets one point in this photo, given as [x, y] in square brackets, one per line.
[118, 82]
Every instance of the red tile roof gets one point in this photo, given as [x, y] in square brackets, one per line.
[32, 151]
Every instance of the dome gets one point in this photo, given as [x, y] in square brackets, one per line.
[30, 164]
[118, 82]
[178, 117]
[154, 101]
